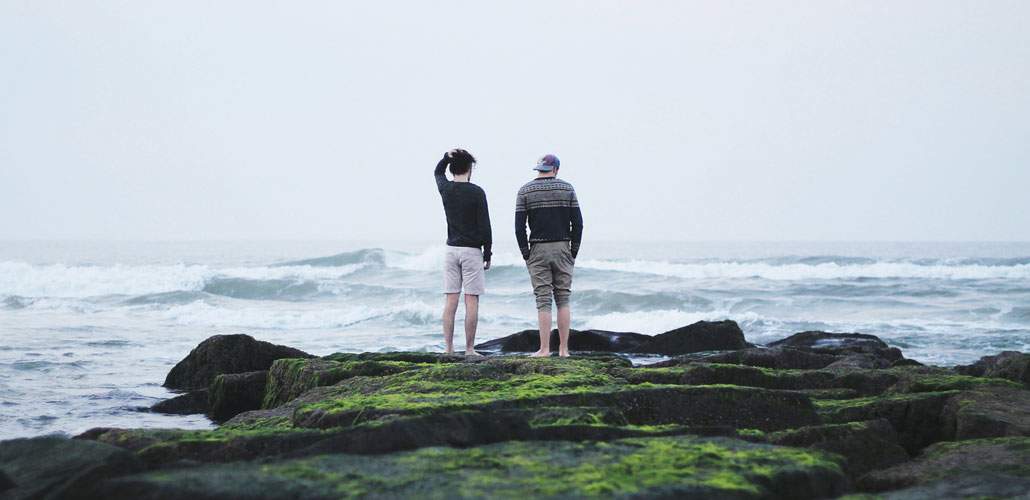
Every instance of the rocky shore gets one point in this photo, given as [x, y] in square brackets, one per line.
[707, 415]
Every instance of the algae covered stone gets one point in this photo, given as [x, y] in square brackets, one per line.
[667, 467]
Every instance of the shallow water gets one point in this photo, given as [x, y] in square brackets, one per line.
[89, 330]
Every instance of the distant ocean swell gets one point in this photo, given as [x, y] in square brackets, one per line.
[309, 278]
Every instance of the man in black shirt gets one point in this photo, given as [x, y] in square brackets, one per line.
[469, 243]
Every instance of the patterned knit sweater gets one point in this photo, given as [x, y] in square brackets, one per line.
[550, 206]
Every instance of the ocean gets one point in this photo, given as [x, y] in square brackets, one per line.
[88, 330]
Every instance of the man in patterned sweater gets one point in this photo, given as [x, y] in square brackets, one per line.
[550, 207]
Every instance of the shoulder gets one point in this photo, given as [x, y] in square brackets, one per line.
[563, 184]
[475, 188]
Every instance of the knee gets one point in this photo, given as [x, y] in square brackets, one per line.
[543, 302]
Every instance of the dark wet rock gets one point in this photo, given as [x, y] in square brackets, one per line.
[860, 361]
[918, 418]
[234, 393]
[5, 482]
[190, 403]
[131, 439]
[1008, 456]
[983, 485]
[698, 337]
[839, 344]
[579, 340]
[988, 412]
[57, 467]
[1011, 365]
[406, 357]
[222, 354]
[779, 358]
[866, 445]
[642, 467]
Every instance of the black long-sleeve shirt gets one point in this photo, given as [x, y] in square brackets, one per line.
[550, 206]
[468, 217]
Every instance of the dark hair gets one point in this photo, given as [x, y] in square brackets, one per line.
[461, 162]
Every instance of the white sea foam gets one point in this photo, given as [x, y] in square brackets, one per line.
[202, 314]
[828, 270]
[59, 280]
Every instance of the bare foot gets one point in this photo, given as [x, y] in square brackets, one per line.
[563, 354]
[541, 354]
[449, 350]
[472, 354]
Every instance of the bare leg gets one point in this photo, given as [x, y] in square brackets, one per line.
[564, 320]
[471, 322]
[543, 317]
[450, 307]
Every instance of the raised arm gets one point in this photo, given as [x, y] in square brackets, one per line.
[576, 222]
[520, 225]
[441, 177]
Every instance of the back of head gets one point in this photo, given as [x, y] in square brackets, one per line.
[461, 162]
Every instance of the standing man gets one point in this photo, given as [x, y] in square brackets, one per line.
[550, 206]
[468, 244]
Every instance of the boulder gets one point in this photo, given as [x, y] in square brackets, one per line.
[779, 358]
[866, 445]
[871, 348]
[579, 340]
[57, 467]
[698, 337]
[226, 354]
[1011, 365]
[918, 418]
[190, 403]
[234, 393]
[988, 412]
[955, 459]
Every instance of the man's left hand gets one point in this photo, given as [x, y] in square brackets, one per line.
[486, 265]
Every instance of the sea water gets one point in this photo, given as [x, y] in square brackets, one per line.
[88, 330]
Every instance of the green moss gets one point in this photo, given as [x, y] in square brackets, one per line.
[833, 405]
[289, 378]
[938, 380]
[669, 466]
[453, 386]
[1017, 444]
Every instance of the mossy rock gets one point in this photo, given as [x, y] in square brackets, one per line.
[988, 412]
[289, 378]
[1009, 456]
[221, 354]
[866, 445]
[234, 393]
[513, 383]
[58, 467]
[670, 467]
[918, 417]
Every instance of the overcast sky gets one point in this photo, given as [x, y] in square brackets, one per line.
[675, 120]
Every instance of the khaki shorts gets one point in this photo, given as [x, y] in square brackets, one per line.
[550, 271]
[463, 268]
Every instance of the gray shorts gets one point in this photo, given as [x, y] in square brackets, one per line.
[550, 271]
[463, 268]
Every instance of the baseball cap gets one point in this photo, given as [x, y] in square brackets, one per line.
[547, 163]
